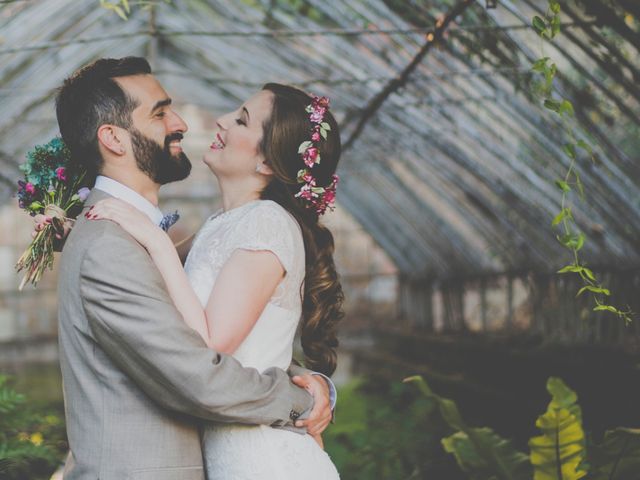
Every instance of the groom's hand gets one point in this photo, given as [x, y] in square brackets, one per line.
[321, 414]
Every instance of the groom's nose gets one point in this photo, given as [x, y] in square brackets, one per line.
[176, 123]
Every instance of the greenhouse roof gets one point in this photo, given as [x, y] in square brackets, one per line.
[450, 162]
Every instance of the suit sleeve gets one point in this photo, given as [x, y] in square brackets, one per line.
[134, 321]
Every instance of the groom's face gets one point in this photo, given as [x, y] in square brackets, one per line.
[156, 131]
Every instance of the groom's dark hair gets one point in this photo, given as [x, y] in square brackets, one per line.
[90, 98]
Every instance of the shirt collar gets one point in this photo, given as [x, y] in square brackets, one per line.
[118, 190]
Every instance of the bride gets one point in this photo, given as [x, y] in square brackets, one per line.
[260, 266]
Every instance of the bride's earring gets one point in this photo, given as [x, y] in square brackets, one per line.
[258, 168]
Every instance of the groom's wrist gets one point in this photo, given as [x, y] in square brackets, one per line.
[333, 392]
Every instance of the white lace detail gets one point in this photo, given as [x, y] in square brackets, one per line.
[258, 225]
[238, 452]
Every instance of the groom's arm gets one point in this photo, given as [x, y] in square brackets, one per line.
[136, 324]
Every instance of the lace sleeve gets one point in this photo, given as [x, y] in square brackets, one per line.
[268, 227]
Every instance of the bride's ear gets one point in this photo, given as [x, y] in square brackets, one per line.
[111, 138]
[263, 169]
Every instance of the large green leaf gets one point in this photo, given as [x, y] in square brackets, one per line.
[617, 457]
[559, 452]
[484, 454]
[478, 451]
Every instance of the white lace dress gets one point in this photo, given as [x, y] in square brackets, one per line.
[241, 452]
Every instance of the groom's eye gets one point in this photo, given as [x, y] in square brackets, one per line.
[160, 115]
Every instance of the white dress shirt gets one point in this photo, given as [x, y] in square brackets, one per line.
[124, 193]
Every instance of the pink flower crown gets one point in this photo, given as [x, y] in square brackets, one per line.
[320, 198]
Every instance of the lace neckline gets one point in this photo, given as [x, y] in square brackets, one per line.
[221, 214]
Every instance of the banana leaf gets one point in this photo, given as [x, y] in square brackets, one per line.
[559, 453]
[478, 451]
[617, 457]
[496, 458]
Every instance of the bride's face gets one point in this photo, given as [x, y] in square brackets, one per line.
[234, 151]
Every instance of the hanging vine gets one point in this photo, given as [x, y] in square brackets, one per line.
[122, 8]
[570, 236]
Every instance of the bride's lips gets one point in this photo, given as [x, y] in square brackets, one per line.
[218, 144]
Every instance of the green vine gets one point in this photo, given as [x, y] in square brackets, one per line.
[122, 8]
[571, 237]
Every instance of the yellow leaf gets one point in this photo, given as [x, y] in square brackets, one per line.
[36, 439]
[629, 20]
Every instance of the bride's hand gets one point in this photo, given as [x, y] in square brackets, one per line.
[40, 221]
[132, 220]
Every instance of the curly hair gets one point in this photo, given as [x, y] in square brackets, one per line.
[322, 297]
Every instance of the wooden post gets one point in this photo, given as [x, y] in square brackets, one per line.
[509, 324]
[483, 303]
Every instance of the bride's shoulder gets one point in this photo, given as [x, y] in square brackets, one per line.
[270, 209]
[270, 215]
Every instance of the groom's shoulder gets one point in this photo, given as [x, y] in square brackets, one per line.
[100, 238]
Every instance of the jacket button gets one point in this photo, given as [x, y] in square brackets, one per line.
[293, 415]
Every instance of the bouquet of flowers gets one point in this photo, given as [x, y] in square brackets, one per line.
[51, 188]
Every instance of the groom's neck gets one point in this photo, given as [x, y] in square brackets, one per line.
[136, 181]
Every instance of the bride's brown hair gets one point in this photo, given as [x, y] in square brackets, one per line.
[286, 128]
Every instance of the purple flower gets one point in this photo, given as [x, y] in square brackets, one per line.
[317, 115]
[83, 193]
[61, 174]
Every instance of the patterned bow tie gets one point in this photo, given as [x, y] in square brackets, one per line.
[168, 220]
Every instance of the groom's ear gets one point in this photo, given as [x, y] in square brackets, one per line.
[112, 138]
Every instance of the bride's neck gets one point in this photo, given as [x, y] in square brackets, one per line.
[235, 195]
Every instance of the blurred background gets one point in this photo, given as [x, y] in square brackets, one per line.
[443, 227]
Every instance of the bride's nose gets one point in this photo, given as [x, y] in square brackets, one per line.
[223, 122]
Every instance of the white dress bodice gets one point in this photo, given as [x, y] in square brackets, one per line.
[242, 452]
[257, 225]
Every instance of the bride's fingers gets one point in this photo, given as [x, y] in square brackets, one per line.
[41, 221]
[319, 427]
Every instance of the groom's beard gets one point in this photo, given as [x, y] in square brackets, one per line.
[158, 162]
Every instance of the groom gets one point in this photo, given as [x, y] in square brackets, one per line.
[137, 380]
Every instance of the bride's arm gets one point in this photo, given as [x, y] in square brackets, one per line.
[242, 289]
[184, 247]
[165, 256]
[241, 292]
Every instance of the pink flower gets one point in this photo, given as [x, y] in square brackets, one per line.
[30, 188]
[315, 136]
[317, 115]
[310, 156]
[321, 102]
[306, 193]
[61, 174]
[329, 196]
[308, 178]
